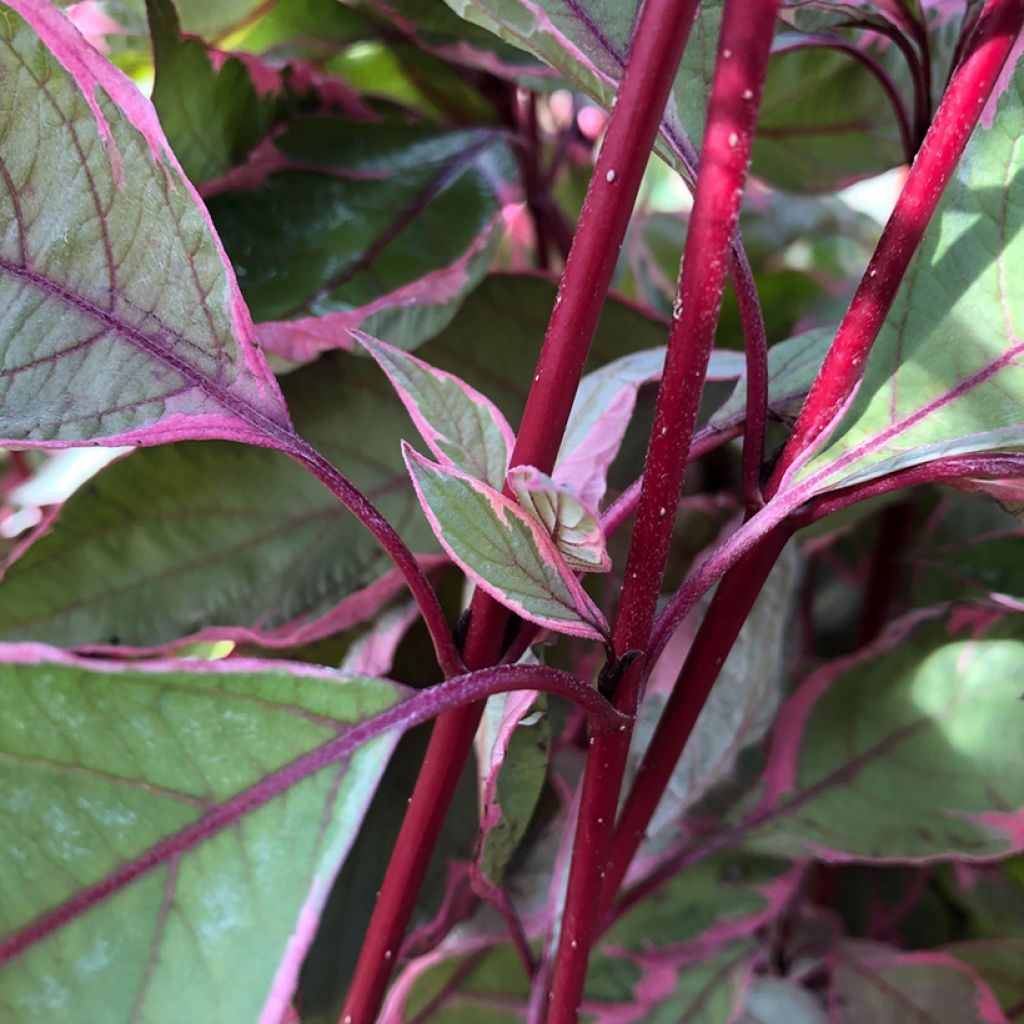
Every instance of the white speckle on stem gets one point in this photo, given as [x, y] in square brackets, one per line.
[748, 94]
[734, 140]
[727, 54]
[610, 177]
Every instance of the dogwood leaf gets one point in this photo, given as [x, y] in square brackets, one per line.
[575, 529]
[120, 320]
[502, 549]
[944, 376]
[462, 427]
[170, 831]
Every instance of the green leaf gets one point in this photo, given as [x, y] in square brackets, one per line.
[512, 747]
[462, 427]
[998, 962]
[825, 121]
[792, 367]
[944, 375]
[169, 833]
[503, 549]
[908, 751]
[348, 224]
[188, 537]
[887, 987]
[212, 118]
[120, 321]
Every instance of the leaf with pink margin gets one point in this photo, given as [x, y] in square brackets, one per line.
[602, 410]
[502, 549]
[120, 318]
[998, 962]
[512, 748]
[575, 529]
[872, 983]
[944, 376]
[171, 830]
[373, 653]
[335, 224]
[463, 428]
[908, 751]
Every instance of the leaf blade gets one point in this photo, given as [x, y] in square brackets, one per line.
[503, 550]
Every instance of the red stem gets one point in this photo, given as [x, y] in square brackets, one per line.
[656, 51]
[936, 161]
[728, 611]
[745, 40]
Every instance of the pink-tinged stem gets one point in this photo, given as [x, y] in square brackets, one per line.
[728, 611]
[405, 561]
[746, 34]
[969, 88]
[655, 54]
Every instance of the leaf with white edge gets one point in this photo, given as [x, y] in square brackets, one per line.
[588, 44]
[170, 831]
[373, 653]
[512, 745]
[944, 376]
[575, 529]
[503, 550]
[885, 986]
[602, 410]
[743, 703]
[120, 319]
[792, 366]
[463, 428]
[907, 751]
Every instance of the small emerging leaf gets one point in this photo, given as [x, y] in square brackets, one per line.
[575, 529]
[503, 549]
[463, 428]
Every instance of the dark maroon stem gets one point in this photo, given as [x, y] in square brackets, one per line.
[728, 611]
[746, 34]
[755, 346]
[656, 51]
[811, 40]
[405, 561]
[970, 86]
[895, 527]
[958, 467]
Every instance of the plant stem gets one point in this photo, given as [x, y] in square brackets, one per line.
[755, 346]
[969, 87]
[746, 34]
[895, 526]
[729, 609]
[656, 51]
[355, 501]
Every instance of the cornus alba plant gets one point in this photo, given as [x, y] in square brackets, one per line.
[370, 650]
